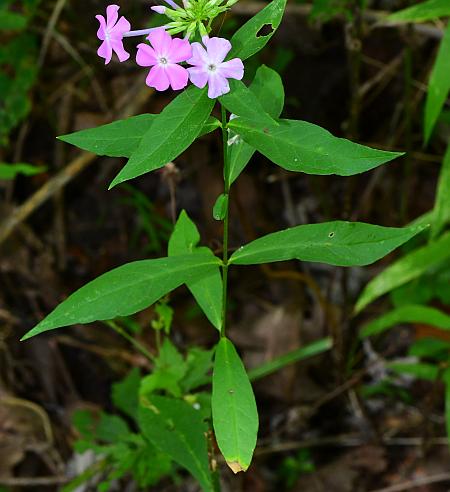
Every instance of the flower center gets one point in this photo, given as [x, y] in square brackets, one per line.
[212, 67]
[163, 61]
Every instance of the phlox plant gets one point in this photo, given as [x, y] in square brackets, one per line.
[206, 70]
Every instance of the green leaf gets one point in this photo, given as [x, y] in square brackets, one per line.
[125, 393]
[438, 86]
[336, 243]
[407, 314]
[235, 416]
[419, 369]
[441, 216]
[199, 363]
[267, 86]
[251, 38]
[407, 268]
[424, 11]
[170, 134]
[175, 428]
[220, 207]
[121, 138]
[303, 147]
[301, 353]
[206, 290]
[10, 171]
[11, 21]
[126, 290]
[429, 347]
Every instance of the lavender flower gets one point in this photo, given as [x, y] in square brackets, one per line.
[111, 32]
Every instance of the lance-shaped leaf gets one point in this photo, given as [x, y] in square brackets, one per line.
[267, 86]
[123, 137]
[177, 429]
[255, 33]
[336, 243]
[235, 416]
[424, 11]
[407, 314]
[126, 290]
[439, 84]
[441, 212]
[170, 134]
[207, 289]
[407, 268]
[303, 147]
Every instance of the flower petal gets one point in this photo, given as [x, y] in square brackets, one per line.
[112, 13]
[199, 55]
[158, 79]
[218, 49]
[121, 27]
[178, 76]
[117, 46]
[232, 69]
[161, 41]
[180, 51]
[146, 56]
[101, 33]
[217, 86]
[198, 76]
[105, 51]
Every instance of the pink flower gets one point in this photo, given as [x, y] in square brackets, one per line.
[209, 66]
[111, 32]
[163, 56]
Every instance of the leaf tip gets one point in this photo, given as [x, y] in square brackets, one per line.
[236, 467]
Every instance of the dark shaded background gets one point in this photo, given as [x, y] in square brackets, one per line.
[347, 76]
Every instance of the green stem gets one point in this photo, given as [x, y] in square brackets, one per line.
[225, 221]
[137, 345]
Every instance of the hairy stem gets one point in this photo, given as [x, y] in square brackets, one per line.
[225, 221]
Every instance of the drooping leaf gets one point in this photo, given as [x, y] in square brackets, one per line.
[170, 134]
[429, 347]
[336, 243]
[407, 314]
[424, 11]
[267, 86]
[126, 290]
[235, 416]
[175, 428]
[303, 147]
[10, 171]
[407, 268]
[438, 86]
[255, 33]
[441, 216]
[207, 290]
[121, 138]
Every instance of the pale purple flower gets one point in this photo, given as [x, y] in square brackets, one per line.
[111, 32]
[164, 56]
[210, 68]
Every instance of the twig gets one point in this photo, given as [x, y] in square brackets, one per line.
[58, 181]
[417, 482]
[345, 441]
[32, 481]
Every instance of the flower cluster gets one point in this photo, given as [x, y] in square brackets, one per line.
[165, 55]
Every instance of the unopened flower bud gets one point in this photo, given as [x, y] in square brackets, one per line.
[159, 9]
